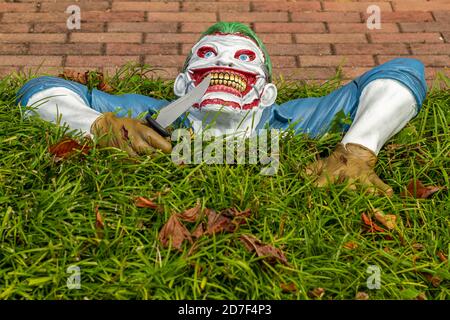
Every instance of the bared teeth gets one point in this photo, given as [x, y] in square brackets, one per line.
[229, 79]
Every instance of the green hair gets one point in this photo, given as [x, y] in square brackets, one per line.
[241, 29]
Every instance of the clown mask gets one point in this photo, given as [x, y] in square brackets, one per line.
[239, 89]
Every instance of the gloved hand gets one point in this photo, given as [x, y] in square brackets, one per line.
[353, 162]
[128, 134]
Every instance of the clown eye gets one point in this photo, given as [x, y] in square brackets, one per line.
[245, 55]
[206, 52]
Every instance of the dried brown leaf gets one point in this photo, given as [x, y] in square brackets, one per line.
[142, 202]
[387, 220]
[191, 215]
[372, 226]
[271, 254]
[416, 189]
[290, 287]
[362, 296]
[442, 256]
[67, 147]
[99, 224]
[218, 223]
[199, 231]
[174, 230]
[80, 77]
[421, 296]
[316, 293]
[350, 245]
[434, 279]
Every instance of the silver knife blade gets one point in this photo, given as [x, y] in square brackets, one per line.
[171, 112]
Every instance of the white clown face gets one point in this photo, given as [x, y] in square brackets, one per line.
[239, 83]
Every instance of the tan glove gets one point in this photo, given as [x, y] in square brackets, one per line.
[128, 134]
[352, 162]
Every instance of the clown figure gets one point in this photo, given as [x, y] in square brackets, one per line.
[241, 98]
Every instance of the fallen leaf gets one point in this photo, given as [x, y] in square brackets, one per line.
[290, 287]
[142, 202]
[350, 245]
[175, 230]
[67, 147]
[80, 77]
[442, 256]
[417, 190]
[103, 86]
[373, 227]
[434, 279]
[218, 222]
[191, 215]
[199, 231]
[362, 296]
[387, 220]
[316, 293]
[418, 246]
[271, 254]
[421, 296]
[99, 224]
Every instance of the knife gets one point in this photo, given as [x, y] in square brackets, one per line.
[171, 112]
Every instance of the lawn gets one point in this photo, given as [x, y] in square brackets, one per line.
[48, 220]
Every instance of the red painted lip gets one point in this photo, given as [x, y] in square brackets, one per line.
[225, 103]
[250, 78]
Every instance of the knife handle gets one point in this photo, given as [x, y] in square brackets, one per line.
[156, 126]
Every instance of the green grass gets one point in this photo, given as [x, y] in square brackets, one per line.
[47, 215]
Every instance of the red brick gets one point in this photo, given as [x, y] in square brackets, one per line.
[331, 38]
[34, 17]
[284, 61]
[326, 16]
[17, 60]
[299, 49]
[428, 60]
[173, 38]
[62, 27]
[419, 48]
[275, 37]
[6, 71]
[145, 6]
[289, 27]
[411, 16]
[361, 28]
[158, 73]
[287, 6]
[182, 16]
[61, 6]
[99, 61]
[165, 60]
[334, 61]
[66, 48]
[102, 16]
[216, 7]
[305, 73]
[354, 72]
[30, 37]
[442, 16]
[18, 7]
[42, 70]
[421, 6]
[446, 36]
[407, 38]
[432, 73]
[425, 27]
[355, 6]
[254, 16]
[106, 37]
[196, 27]
[142, 27]
[138, 49]
[14, 28]
[371, 48]
[13, 48]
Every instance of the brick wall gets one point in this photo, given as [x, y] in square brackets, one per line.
[306, 39]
